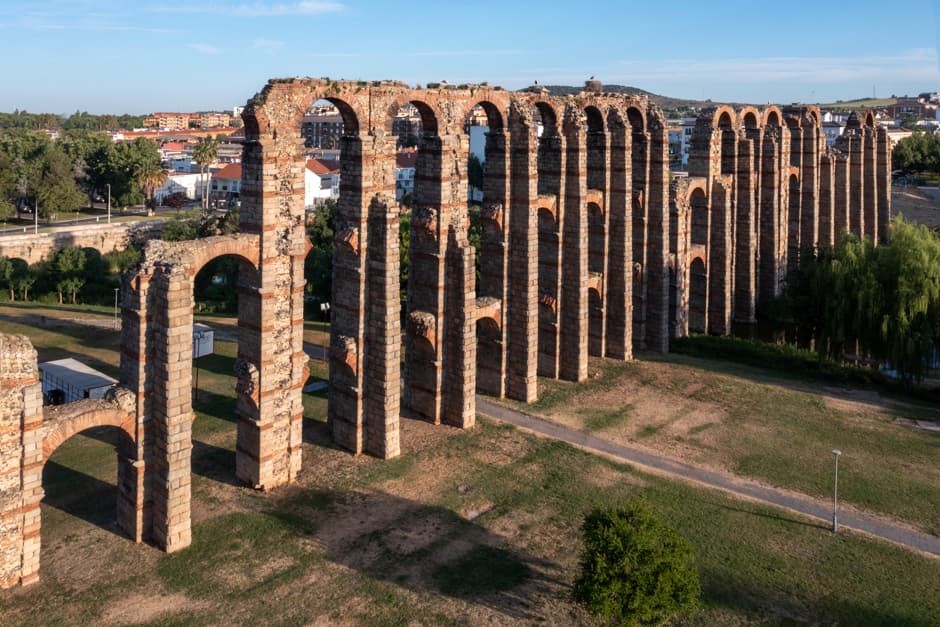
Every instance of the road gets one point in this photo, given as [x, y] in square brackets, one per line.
[751, 490]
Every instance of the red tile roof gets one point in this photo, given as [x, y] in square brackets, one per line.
[320, 168]
[230, 172]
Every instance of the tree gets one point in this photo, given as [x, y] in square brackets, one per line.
[475, 172]
[180, 230]
[318, 267]
[57, 191]
[635, 568]
[176, 200]
[150, 177]
[6, 275]
[204, 154]
[69, 263]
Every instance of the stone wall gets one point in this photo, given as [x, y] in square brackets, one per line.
[586, 250]
[33, 247]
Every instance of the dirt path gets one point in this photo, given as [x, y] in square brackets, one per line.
[917, 204]
[660, 464]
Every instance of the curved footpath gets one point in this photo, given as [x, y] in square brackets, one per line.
[661, 464]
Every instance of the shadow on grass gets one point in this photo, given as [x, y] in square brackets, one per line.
[214, 463]
[81, 495]
[391, 541]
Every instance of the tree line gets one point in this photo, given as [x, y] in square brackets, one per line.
[78, 120]
[919, 153]
[71, 275]
[58, 176]
[882, 302]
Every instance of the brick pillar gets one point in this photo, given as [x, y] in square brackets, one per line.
[171, 318]
[641, 166]
[883, 177]
[430, 220]
[870, 175]
[574, 311]
[745, 237]
[657, 275]
[523, 306]
[20, 461]
[274, 433]
[768, 284]
[461, 343]
[856, 184]
[826, 201]
[619, 299]
[348, 300]
[551, 166]
[494, 258]
[459, 362]
[383, 350]
[809, 187]
[841, 221]
[719, 262]
[793, 206]
[598, 227]
[135, 504]
[679, 254]
[382, 362]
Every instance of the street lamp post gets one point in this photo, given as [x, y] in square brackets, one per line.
[116, 308]
[835, 493]
[108, 185]
[36, 217]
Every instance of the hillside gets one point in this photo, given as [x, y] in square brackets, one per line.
[666, 102]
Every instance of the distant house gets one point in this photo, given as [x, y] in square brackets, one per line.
[226, 185]
[405, 161]
[188, 183]
[321, 182]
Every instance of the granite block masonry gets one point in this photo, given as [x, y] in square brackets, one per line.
[587, 249]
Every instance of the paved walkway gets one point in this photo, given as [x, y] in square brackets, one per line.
[737, 486]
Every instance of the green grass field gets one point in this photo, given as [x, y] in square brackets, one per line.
[466, 527]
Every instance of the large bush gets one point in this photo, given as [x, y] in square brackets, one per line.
[635, 568]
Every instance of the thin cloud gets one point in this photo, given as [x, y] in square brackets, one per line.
[294, 8]
[913, 65]
[256, 9]
[465, 53]
[207, 49]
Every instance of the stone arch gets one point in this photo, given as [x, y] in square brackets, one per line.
[793, 220]
[489, 338]
[749, 117]
[698, 295]
[771, 116]
[870, 118]
[89, 419]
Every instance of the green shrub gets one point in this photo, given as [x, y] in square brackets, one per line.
[635, 568]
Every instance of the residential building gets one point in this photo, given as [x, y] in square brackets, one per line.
[405, 162]
[321, 182]
[226, 186]
[322, 128]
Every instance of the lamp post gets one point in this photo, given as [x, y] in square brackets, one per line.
[108, 185]
[835, 493]
[116, 308]
[36, 217]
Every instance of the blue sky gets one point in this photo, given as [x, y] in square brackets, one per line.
[140, 56]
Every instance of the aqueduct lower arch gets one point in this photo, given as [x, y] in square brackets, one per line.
[588, 250]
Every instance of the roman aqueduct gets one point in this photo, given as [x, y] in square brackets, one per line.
[587, 249]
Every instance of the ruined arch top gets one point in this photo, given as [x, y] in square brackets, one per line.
[367, 107]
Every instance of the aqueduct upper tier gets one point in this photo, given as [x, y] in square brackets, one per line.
[587, 248]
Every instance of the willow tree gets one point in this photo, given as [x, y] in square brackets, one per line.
[908, 327]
